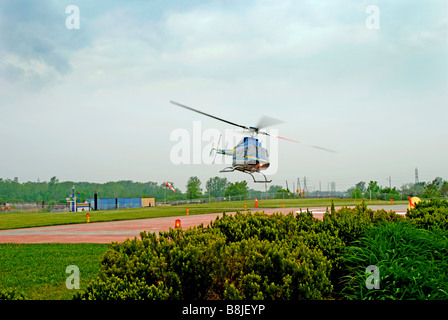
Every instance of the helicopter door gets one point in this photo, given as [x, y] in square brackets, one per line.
[239, 153]
[252, 153]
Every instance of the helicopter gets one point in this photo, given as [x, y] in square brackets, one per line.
[249, 156]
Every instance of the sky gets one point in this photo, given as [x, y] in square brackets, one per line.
[92, 103]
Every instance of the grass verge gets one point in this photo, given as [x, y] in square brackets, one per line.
[37, 271]
[412, 263]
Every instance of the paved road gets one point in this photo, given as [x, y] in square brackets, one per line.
[106, 232]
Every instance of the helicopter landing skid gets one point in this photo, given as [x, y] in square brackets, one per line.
[232, 169]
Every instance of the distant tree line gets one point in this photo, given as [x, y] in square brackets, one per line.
[55, 191]
[434, 189]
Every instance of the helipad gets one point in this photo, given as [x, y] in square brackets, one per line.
[105, 232]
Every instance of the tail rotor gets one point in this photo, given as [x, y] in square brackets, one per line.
[215, 149]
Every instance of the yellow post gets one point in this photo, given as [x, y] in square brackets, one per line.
[187, 211]
[283, 204]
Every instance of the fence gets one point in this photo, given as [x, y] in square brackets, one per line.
[33, 207]
[252, 195]
[125, 203]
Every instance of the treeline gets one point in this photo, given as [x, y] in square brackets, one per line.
[433, 189]
[55, 191]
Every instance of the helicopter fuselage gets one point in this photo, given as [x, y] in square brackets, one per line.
[249, 155]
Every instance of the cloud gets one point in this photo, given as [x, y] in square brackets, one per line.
[312, 64]
[35, 40]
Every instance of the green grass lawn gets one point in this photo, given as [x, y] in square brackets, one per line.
[289, 203]
[26, 220]
[38, 270]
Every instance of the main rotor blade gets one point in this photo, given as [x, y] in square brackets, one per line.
[320, 148]
[309, 145]
[209, 115]
[288, 139]
[267, 121]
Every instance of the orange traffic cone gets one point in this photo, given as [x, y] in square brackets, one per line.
[256, 203]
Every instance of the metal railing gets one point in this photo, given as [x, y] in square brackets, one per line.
[33, 207]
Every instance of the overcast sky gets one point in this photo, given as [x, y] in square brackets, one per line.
[92, 104]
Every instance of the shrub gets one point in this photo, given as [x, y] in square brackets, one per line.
[274, 270]
[245, 256]
[412, 263]
[432, 214]
[11, 294]
[176, 265]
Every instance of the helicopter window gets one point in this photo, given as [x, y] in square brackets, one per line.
[252, 154]
[238, 155]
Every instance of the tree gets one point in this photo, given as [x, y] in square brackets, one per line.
[283, 194]
[53, 181]
[356, 194]
[432, 189]
[194, 190]
[237, 189]
[373, 190]
[389, 193]
[361, 186]
[444, 189]
[274, 188]
[373, 186]
[412, 189]
[216, 186]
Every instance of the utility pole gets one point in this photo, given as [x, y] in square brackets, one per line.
[416, 176]
[266, 189]
[390, 183]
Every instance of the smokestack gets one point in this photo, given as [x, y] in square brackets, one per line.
[95, 201]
